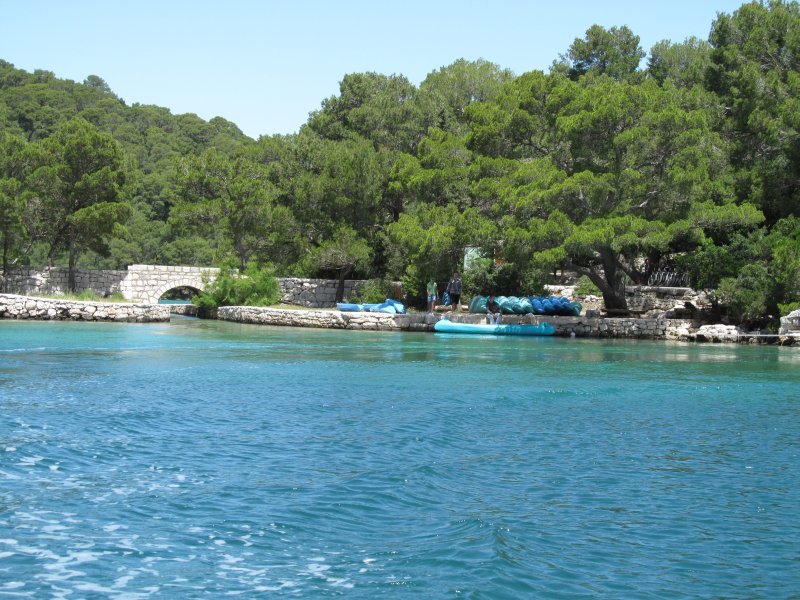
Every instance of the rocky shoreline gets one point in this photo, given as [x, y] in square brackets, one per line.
[583, 326]
[591, 325]
[13, 306]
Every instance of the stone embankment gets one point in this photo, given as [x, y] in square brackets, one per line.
[24, 307]
[595, 327]
[187, 310]
[47, 309]
[327, 319]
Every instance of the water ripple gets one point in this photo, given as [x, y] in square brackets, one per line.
[210, 459]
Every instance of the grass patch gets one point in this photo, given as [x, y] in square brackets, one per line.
[84, 296]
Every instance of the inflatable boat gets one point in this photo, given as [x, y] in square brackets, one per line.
[447, 326]
[389, 306]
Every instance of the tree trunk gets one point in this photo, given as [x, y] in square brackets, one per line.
[71, 277]
[343, 273]
[611, 282]
[6, 249]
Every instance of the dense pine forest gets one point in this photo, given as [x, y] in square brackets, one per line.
[613, 164]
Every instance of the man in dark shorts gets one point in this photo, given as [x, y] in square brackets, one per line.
[454, 290]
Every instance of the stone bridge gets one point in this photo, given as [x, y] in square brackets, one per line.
[142, 284]
[145, 284]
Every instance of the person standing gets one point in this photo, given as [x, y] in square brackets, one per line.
[493, 311]
[454, 289]
[433, 294]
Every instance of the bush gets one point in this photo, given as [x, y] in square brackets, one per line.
[372, 291]
[485, 277]
[746, 296]
[584, 287]
[257, 286]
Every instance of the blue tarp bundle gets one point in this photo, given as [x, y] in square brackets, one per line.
[387, 306]
[513, 305]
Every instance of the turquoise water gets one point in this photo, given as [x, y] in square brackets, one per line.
[207, 459]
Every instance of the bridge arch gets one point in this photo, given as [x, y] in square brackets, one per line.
[145, 284]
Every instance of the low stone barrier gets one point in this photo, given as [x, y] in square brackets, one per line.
[565, 326]
[26, 307]
[592, 327]
[187, 310]
[327, 319]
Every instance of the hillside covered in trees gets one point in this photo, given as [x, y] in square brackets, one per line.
[613, 163]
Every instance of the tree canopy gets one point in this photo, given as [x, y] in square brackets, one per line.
[613, 162]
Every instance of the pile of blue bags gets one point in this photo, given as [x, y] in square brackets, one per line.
[537, 305]
[388, 306]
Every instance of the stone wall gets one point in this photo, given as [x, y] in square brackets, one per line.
[314, 293]
[790, 324]
[607, 327]
[665, 301]
[565, 326]
[652, 302]
[591, 327]
[25, 307]
[147, 283]
[30, 281]
[327, 319]
[187, 310]
[613, 327]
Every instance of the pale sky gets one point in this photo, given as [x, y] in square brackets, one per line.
[265, 65]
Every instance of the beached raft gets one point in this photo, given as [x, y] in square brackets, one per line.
[389, 306]
[447, 326]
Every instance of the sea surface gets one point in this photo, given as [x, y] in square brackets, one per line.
[209, 459]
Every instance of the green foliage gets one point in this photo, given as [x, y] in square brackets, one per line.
[747, 295]
[785, 309]
[584, 287]
[614, 52]
[227, 197]
[373, 106]
[480, 278]
[430, 241]
[485, 277]
[91, 296]
[373, 291]
[344, 253]
[256, 286]
[78, 187]
[445, 94]
[755, 59]
[593, 167]
[720, 221]
[13, 166]
[87, 296]
[708, 265]
[683, 65]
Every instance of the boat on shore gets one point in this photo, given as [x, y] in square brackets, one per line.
[447, 326]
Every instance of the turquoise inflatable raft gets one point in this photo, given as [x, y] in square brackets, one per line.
[389, 306]
[446, 326]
